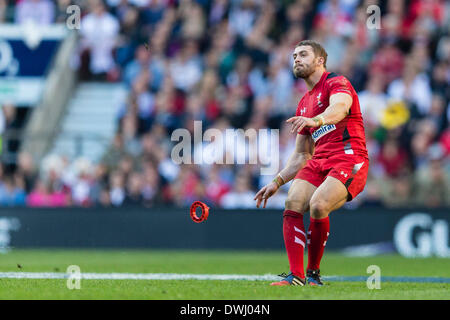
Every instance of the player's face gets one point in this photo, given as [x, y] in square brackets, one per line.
[304, 62]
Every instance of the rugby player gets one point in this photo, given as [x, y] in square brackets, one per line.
[328, 166]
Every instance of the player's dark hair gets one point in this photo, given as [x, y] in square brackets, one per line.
[319, 51]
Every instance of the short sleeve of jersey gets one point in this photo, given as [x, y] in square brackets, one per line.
[339, 84]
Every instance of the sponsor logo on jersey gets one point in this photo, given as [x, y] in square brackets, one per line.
[323, 130]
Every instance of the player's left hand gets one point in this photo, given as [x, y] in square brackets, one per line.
[298, 123]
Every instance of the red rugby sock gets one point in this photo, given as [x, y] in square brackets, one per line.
[317, 238]
[294, 240]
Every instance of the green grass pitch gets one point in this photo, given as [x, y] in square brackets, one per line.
[212, 262]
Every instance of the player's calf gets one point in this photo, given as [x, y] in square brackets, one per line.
[294, 235]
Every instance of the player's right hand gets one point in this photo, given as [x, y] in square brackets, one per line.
[265, 193]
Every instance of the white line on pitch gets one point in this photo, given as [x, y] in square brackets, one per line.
[181, 276]
[136, 276]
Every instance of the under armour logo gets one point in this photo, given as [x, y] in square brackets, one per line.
[344, 174]
[302, 111]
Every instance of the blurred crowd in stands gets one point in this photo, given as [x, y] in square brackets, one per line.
[228, 63]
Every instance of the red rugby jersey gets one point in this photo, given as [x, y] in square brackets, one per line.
[345, 137]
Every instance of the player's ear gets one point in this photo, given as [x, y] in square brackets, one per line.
[320, 60]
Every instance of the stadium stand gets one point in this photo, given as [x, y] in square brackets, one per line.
[228, 64]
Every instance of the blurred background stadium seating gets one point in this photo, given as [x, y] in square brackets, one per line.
[97, 130]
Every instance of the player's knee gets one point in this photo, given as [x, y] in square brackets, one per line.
[319, 209]
[295, 205]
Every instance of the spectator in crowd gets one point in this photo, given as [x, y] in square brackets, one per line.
[412, 87]
[44, 195]
[373, 102]
[445, 142]
[12, 193]
[40, 12]
[134, 188]
[216, 186]
[99, 31]
[82, 185]
[4, 10]
[387, 62]
[397, 192]
[187, 188]
[152, 193]
[186, 68]
[372, 194]
[432, 185]
[117, 188]
[61, 10]
[141, 63]
[26, 169]
[393, 158]
[241, 196]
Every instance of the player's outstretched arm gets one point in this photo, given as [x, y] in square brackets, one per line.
[340, 104]
[304, 149]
